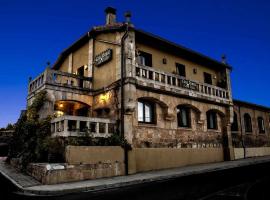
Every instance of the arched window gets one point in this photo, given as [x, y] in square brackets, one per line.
[146, 111]
[212, 120]
[183, 116]
[235, 122]
[261, 125]
[248, 124]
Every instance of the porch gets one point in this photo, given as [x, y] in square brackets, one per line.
[77, 126]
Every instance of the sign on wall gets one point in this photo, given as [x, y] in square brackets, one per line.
[189, 85]
[103, 57]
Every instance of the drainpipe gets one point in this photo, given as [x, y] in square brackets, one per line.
[242, 140]
[122, 111]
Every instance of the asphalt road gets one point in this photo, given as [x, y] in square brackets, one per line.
[250, 182]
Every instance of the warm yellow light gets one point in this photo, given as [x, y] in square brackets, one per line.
[104, 97]
[59, 113]
[61, 105]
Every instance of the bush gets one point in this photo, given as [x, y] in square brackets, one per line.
[29, 139]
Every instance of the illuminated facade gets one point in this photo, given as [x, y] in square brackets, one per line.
[119, 79]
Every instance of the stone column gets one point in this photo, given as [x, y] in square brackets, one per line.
[129, 88]
[70, 63]
[228, 147]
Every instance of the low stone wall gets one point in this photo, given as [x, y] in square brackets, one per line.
[147, 159]
[63, 173]
[251, 152]
[82, 163]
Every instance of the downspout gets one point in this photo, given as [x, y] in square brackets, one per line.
[242, 140]
[122, 111]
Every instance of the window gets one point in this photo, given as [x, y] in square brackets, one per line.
[146, 111]
[235, 123]
[261, 125]
[144, 59]
[183, 117]
[180, 69]
[207, 78]
[212, 120]
[247, 121]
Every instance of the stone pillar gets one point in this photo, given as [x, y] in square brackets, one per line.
[90, 58]
[130, 97]
[228, 147]
[70, 63]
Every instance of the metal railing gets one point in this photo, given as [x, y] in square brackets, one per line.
[82, 126]
[162, 78]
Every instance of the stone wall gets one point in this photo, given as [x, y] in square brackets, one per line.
[63, 173]
[254, 138]
[82, 163]
[166, 133]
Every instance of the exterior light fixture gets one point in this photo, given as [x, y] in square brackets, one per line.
[104, 98]
[61, 105]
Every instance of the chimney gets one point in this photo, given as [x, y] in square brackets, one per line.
[224, 59]
[128, 16]
[110, 15]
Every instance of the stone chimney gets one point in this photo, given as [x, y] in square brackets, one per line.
[110, 15]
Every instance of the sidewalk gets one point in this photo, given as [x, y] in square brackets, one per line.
[29, 185]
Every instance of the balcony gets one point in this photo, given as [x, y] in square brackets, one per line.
[66, 126]
[149, 77]
[59, 79]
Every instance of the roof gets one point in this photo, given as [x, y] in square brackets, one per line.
[252, 105]
[147, 38]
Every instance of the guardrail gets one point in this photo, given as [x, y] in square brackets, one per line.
[82, 126]
[162, 78]
[58, 78]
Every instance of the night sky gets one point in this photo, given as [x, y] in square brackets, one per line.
[34, 32]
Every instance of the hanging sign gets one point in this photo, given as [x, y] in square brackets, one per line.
[103, 57]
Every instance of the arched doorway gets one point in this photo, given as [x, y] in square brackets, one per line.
[69, 107]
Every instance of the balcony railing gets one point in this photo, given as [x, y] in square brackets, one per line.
[176, 83]
[62, 79]
[82, 126]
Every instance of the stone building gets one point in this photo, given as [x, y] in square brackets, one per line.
[119, 79]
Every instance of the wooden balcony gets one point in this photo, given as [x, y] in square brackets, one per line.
[150, 77]
[59, 79]
[66, 126]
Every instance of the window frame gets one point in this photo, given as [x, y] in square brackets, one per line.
[248, 129]
[235, 123]
[215, 122]
[179, 116]
[261, 125]
[208, 76]
[180, 72]
[152, 114]
[146, 57]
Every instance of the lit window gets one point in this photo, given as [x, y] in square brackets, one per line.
[212, 120]
[146, 112]
[183, 116]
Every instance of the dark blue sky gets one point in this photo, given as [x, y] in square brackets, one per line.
[33, 32]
